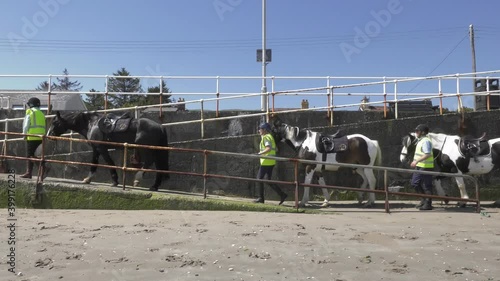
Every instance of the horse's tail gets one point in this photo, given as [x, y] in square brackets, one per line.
[378, 157]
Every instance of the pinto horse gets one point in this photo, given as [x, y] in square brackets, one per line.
[334, 149]
[454, 154]
[134, 131]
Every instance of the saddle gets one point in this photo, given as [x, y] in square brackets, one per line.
[112, 123]
[332, 143]
[473, 147]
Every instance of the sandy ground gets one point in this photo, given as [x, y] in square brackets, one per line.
[344, 244]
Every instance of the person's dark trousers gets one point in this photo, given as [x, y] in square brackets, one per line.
[267, 172]
[423, 184]
[31, 147]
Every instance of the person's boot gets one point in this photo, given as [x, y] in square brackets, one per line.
[280, 192]
[419, 205]
[283, 198]
[260, 188]
[29, 170]
[427, 205]
[419, 189]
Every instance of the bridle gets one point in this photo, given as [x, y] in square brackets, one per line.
[413, 142]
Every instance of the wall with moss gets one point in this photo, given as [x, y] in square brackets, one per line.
[239, 135]
[70, 196]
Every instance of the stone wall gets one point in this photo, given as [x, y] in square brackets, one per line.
[240, 135]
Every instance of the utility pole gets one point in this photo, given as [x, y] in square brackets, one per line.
[473, 49]
[263, 101]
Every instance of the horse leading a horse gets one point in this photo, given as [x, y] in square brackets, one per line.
[454, 154]
[119, 129]
[334, 149]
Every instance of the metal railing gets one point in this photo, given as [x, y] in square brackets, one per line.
[330, 91]
[124, 168]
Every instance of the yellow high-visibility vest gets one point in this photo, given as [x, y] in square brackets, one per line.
[272, 152]
[37, 123]
[427, 163]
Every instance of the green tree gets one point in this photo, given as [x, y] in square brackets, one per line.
[64, 84]
[44, 86]
[94, 102]
[155, 99]
[125, 85]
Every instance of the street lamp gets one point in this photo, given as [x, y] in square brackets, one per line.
[263, 102]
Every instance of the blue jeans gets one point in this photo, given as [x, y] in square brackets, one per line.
[267, 172]
[422, 183]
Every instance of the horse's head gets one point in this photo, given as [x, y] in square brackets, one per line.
[59, 125]
[288, 134]
[409, 146]
[76, 121]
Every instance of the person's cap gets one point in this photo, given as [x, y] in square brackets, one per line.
[33, 102]
[265, 126]
[422, 128]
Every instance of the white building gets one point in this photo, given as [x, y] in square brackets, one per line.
[16, 100]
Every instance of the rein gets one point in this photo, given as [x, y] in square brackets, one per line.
[441, 150]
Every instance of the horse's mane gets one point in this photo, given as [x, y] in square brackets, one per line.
[79, 119]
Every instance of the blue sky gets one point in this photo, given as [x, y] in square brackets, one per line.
[220, 37]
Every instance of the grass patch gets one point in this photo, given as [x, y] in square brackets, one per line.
[71, 196]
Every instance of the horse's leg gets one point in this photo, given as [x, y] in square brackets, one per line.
[321, 181]
[93, 169]
[161, 163]
[308, 180]
[138, 176]
[368, 180]
[112, 171]
[439, 189]
[148, 162]
[372, 182]
[158, 178]
[463, 192]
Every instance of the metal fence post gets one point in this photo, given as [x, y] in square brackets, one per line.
[202, 120]
[124, 166]
[396, 99]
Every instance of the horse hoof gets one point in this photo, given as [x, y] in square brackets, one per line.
[136, 183]
[325, 205]
[302, 205]
[114, 184]
[153, 189]
[461, 204]
[86, 180]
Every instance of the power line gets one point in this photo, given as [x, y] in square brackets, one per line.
[128, 46]
[441, 62]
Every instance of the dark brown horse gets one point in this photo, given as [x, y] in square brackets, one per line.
[138, 131]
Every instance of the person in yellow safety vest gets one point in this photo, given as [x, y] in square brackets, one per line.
[34, 123]
[423, 161]
[267, 148]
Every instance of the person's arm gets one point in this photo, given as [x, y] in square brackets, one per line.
[266, 150]
[267, 147]
[427, 148]
[26, 123]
